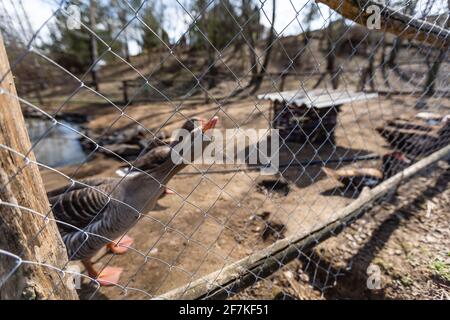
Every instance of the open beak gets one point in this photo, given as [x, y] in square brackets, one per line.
[210, 124]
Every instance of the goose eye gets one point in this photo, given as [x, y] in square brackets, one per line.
[159, 160]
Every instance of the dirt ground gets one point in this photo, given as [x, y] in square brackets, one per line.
[407, 238]
[215, 219]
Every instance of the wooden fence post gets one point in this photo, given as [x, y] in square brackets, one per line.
[24, 234]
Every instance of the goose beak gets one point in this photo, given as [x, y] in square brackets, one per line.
[168, 191]
[210, 124]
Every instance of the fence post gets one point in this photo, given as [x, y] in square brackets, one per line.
[23, 233]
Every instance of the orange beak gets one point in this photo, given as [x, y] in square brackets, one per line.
[210, 124]
[168, 191]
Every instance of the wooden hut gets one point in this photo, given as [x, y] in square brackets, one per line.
[301, 116]
[417, 136]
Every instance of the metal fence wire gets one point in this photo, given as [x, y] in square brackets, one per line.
[354, 92]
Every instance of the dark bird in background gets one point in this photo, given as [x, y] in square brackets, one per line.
[97, 210]
[358, 178]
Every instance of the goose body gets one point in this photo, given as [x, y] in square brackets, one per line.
[96, 211]
[104, 209]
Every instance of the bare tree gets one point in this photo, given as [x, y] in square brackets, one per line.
[250, 31]
[396, 45]
[93, 43]
[123, 21]
[331, 34]
[312, 13]
[434, 68]
[368, 74]
[433, 72]
[257, 81]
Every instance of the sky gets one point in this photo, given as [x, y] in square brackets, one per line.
[288, 18]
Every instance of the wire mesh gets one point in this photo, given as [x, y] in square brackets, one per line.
[353, 105]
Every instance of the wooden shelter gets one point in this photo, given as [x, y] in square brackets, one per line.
[418, 136]
[309, 116]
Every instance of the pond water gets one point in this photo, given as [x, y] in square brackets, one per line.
[56, 145]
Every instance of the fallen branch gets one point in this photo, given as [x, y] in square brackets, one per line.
[393, 21]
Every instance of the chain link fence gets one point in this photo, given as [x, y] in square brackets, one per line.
[348, 100]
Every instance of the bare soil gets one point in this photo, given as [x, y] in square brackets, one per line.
[217, 218]
[407, 238]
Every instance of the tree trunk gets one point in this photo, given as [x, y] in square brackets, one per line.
[212, 72]
[434, 70]
[269, 46]
[25, 236]
[283, 80]
[394, 52]
[309, 19]
[396, 46]
[331, 59]
[432, 74]
[123, 22]
[383, 63]
[368, 73]
[246, 6]
[335, 73]
[93, 44]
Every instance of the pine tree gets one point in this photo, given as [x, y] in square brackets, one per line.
[153, 34]
[71, 48]
[218, 22]
[216, 27]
